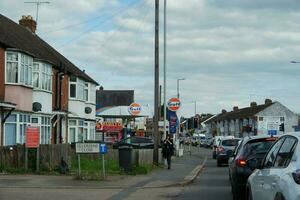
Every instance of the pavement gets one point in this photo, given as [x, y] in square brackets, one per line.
[184, 170]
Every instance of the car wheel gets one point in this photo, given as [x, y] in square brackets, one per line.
[279, 197]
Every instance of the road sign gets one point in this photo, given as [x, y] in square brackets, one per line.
[174, 104]
[272, 132]
[103, 149]
[134, 109]
[32, 137]
[87, 148]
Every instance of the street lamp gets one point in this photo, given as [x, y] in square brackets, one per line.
[179, 79]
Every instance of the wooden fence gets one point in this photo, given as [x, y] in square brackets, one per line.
[50, 156]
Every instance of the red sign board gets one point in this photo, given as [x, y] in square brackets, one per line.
[109, 126]
[32, 137]
[174, 104]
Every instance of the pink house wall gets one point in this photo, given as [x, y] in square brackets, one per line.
[20, 95]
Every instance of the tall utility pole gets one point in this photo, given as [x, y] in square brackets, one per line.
[156, 86]
[165, 67]
[38, 3]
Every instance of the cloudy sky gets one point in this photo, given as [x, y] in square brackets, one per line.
[230, 52]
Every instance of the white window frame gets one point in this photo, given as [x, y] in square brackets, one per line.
[24, 62]
[80, 127]
[72, 83]
[80, 87]
[44, 71]
[20, 126]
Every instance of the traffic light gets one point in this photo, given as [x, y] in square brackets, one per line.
[281, 127]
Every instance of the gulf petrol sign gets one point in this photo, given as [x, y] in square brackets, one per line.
[134, 109]
[174, 104]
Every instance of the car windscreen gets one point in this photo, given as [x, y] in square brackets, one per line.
[230, 142]
[257, 147]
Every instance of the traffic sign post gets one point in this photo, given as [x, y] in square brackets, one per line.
[83, 148]
[103, 151]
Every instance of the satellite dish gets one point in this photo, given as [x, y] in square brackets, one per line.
[88, 110]
[36, 106]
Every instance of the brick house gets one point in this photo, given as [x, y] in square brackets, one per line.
[253, 120]
[39, 86]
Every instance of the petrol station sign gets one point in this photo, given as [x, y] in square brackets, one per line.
[134, 109]
[174, 104]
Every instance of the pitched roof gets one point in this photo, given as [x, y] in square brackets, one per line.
[13, 35]
[240, 113]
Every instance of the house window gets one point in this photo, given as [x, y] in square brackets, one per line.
[92, 131]
[19, 68]
[261, 118]
[23, 122]
[42, 76]
[77, 89]
[92, 93]
[86, 92]
[45, 130]
[10, 130]
[77, 130]
[15, 128]
[12, 67]
[73, 86]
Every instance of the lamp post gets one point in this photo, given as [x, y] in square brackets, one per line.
[179, 79]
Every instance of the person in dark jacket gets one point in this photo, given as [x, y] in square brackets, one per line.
[167, 150]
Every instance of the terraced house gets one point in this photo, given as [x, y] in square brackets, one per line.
[268, 118]
[41, 87]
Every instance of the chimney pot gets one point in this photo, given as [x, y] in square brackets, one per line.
[253, 104]
[28, 22]
[268, 101]
[235, 108]
[224, 111]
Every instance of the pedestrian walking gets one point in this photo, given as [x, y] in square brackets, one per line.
[168, 150]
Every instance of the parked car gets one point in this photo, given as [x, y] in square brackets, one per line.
[135, 142]
[278, 176]
[240, 164]
[216, 141]
[225, 149]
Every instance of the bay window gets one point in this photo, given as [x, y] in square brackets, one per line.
[18, 68]
[78, 130]
[77, 88]
[42, 76]
[14, 129]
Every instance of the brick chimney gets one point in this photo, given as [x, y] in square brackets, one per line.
[28, 22]
[253, 104]
[235, 108]
[268, 101]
